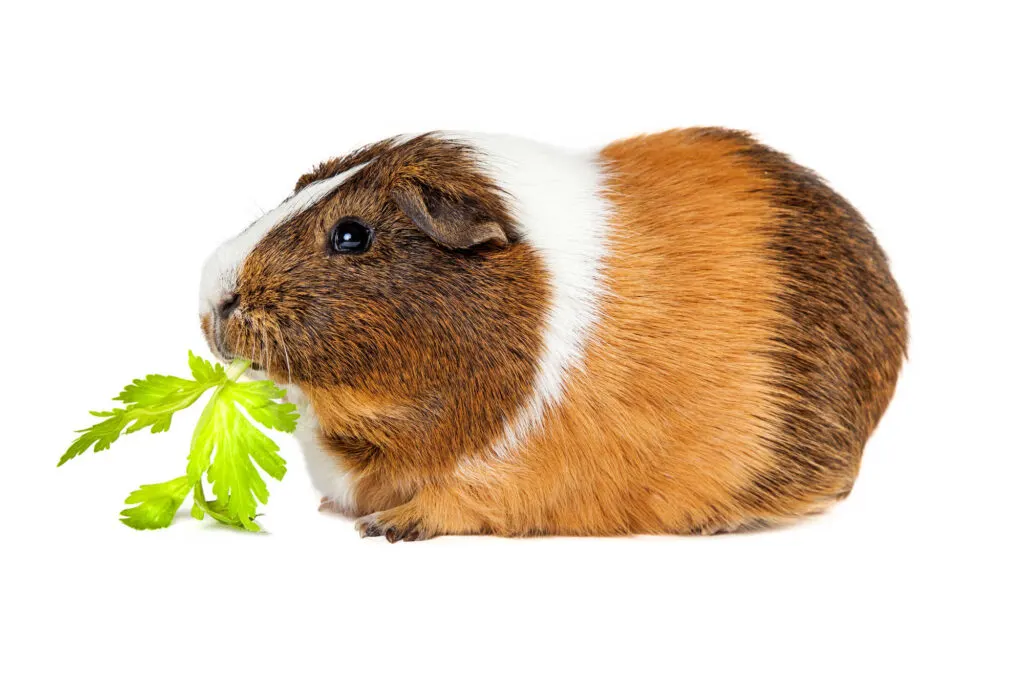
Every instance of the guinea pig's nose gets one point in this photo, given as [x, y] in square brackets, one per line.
[228, 305]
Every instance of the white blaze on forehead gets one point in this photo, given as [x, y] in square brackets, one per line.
[556, 197]
[220, 273]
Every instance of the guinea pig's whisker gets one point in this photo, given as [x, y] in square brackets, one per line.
[284, 349]
[266, 350]
[252, 351]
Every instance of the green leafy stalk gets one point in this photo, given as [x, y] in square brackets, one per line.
[226, 445]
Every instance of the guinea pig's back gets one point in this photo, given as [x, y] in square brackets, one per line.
[748, 343]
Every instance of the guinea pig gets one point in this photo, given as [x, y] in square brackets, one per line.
[684, 332]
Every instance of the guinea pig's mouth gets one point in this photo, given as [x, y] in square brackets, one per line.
[214, 332]
[228, 357]
[253, 365]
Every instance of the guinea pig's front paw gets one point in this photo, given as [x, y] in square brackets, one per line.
[393, 524]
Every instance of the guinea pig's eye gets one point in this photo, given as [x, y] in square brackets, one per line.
[350, 235]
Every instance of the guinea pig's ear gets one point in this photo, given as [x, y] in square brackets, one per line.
[455, 222]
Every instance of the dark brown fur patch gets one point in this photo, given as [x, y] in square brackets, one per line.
[332, 167]
[839, 351]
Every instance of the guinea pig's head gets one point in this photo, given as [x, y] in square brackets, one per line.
[396, 273]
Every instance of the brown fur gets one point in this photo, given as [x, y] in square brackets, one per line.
[749, 345]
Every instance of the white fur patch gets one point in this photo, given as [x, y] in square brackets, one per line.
[556, 198]
[325, 471]
[220, 273]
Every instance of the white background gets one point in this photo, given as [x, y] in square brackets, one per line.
[136, 138]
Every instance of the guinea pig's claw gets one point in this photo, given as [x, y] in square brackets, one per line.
[372, 525]
[368, 526]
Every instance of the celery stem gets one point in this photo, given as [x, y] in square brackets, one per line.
[237, 368]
